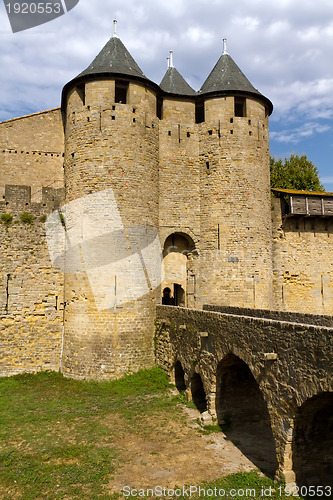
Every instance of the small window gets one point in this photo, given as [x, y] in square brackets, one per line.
[81, 92]
[159, 108]
[199, 112]
[240, 106]
[121, 89]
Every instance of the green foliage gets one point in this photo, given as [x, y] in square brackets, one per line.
[6, 219]
[297, 172]
[62, 219]
[27, 218]
[62, 438]
[43, 218]
[241, 486]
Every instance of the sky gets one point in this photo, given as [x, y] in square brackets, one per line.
[284, 47]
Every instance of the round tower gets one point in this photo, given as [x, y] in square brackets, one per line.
[111, 217]
[235, 242]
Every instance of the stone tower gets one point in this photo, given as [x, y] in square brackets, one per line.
[111, 216]
[152, 168]
[214, 189]
[235, 214]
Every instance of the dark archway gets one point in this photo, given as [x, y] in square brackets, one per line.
[198, 393]
[179, 377]
[179, 295]
[242, 413]
[179, 277]
[313, 442]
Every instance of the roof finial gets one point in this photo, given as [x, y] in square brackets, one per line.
[225, 46]
[171, 59]
[115, 28]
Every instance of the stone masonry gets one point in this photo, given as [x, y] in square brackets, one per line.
[188, 172]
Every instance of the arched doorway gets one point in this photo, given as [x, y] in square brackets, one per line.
[179, 377]
[312, 445]
[198, 393]
[178, 277]
[242, 412]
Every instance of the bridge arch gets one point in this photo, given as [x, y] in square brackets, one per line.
[179, 377]
[242, 412]
[312, 444]
[198, 393]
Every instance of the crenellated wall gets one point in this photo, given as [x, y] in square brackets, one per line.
[31, 152]
[31, 298]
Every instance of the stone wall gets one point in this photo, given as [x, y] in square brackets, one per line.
[31, 152]
[290, 363]
[302, 262]
[290, 317]
[31, 291]
[235, 246]
[214, 189]
[111, 146]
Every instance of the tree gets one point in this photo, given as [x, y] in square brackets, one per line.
[297, 172]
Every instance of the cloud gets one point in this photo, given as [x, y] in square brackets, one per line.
[284, 47]
[297, 134]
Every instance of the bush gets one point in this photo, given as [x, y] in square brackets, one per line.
[27, 218]
[6, 219]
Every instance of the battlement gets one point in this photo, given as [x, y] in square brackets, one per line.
[18, 197]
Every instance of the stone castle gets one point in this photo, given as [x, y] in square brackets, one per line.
[190, 166]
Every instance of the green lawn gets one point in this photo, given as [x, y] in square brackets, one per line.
[57, 436]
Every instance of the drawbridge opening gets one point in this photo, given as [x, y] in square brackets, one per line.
[242, 413]
[313, 442]
[179, 377]
[198, 393]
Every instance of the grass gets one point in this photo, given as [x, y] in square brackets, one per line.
[61, 438]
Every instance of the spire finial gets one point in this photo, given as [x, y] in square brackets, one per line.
[171, 59]
[225, 46]
[115, 28]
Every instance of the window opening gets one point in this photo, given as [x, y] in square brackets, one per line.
[240, 106]
[199, 112]
[121, 89]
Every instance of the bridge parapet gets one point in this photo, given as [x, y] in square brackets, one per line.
[290, 317]
[290, 363]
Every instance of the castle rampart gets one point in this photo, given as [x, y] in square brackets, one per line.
[31, 152]
[31, 299]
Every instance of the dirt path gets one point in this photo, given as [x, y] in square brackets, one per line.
[176, 454]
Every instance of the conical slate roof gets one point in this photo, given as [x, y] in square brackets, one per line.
[226, 77]
[114, 58]
[174, 83]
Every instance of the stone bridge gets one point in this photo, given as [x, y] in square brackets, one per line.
[267, 378]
